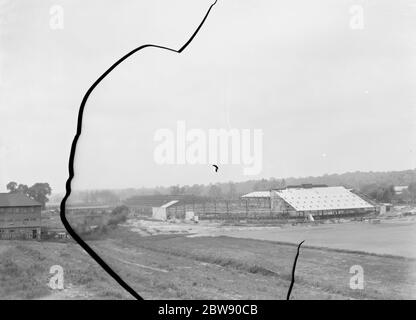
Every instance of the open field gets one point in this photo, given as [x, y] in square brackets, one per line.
[25, 266]
[390, 237]
[224, 267]
[170, 264]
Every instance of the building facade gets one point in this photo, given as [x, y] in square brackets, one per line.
[20, 217]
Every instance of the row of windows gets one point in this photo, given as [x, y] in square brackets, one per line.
[20, 234]
[17, 230]
[17, 210]
[18, 220]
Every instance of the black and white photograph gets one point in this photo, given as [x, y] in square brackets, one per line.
[207, 150]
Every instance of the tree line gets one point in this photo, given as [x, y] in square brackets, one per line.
[38, 191]
[377, 185]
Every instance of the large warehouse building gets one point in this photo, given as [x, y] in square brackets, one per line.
[20, 217]
[318, 201]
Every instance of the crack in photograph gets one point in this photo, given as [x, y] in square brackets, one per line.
[229, 150]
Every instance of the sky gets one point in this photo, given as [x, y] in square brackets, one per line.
[329, 95]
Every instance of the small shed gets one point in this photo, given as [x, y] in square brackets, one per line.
[159, 213]
[189, 215]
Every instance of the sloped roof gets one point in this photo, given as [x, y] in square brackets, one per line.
[322, 198]
[171, 203]
[16, 200]
[400, 189]
[257, 194]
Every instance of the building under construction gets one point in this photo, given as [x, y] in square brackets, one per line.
[320, 201]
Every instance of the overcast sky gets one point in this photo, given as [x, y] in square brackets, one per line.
[328, 98]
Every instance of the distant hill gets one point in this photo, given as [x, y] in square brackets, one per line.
[357, 180]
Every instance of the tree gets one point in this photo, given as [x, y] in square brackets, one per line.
[381, 193]
[232, 190]
[22, 188]
[106, 196]
[39, 191]
[412, 191]
[12, 186]
[276, 184]
[195, 190]
[261, 185]
[176, 190]
[118, 215]
[388, 193]
[215, 192]
[404, 196]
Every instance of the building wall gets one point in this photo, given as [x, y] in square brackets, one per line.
[222, 209]
[326, 214]
[159, 213]
[20, 222]
[30, 233]
[279, 206]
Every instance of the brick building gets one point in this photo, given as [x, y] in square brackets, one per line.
[20, 217]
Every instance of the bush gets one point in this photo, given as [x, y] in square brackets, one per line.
[118, 215]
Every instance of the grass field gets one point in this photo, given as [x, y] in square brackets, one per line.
[224, 267]
[25, 266]
[174, 266]
[390, 237]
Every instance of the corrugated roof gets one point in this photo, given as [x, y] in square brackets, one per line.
[257, 194]
[16, 200]
[322, 198]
